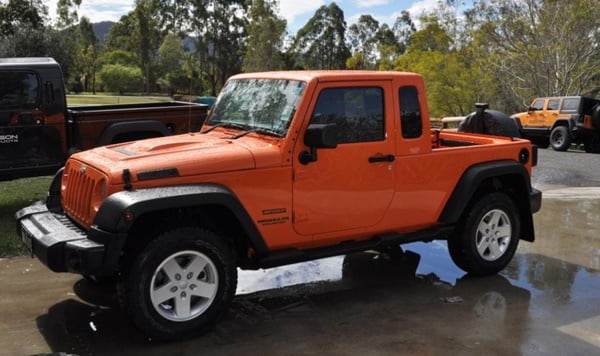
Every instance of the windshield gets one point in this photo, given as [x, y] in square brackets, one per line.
[261, 105]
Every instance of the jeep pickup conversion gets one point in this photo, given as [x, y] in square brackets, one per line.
[290, 166]
[560, 121]
[38, 132]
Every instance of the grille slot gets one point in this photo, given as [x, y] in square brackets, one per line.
[79, 187]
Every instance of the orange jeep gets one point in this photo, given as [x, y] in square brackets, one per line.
[290, 166]
[560, 121]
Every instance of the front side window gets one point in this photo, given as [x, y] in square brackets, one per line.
[537, 105]
[261, 105]
[553, 104]
[18, 90]
[410, 112]
[357, 113]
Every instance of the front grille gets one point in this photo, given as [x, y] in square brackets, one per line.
[78, 186]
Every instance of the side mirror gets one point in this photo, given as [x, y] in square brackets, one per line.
[321, 136]
[318, 136]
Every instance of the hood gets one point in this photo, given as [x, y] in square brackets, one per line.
[188, 154]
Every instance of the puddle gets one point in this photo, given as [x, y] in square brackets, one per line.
[544, 302]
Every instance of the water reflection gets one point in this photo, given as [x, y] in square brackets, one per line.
[418, 302]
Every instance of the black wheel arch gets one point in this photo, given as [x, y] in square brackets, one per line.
[507, 176]
[200, 204]
[112, 131]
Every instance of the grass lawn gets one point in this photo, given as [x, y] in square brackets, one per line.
[15, 195]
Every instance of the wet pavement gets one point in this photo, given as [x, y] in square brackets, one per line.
[546, 302]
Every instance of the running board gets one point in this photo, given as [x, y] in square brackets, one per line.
[288, 256]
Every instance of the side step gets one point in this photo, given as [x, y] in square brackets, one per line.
[288, 256]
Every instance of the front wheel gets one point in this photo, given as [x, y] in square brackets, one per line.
[488, 236]
[560, 139]
[180, 284]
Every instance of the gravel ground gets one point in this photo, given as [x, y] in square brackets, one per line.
[566, 169]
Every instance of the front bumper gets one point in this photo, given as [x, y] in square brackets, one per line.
[63, 246]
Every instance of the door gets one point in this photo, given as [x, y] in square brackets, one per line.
[551, 113]
[535, 113]
[27, 140]
[350, 186]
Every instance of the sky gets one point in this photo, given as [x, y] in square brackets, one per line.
[296, 12]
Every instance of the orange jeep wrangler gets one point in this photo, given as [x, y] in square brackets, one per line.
[290, 166]
[560, 121]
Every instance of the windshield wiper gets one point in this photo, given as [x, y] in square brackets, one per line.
[225, 124]
[259, 130]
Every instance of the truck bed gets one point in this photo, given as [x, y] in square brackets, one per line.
[446, 139]
[91, 121]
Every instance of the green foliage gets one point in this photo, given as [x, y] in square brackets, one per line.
[220, 30]
[539, 48]
[120, 78]
[67, 14]
[17, 14]
[118, 56]
[265, 37]
[43, 42]
[321, 43]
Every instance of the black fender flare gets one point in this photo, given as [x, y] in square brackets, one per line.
[570, 123]
[110, 132]
[471, 181]
[135, 203]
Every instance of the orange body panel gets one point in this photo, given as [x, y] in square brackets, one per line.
[545, 114]
[340, 196]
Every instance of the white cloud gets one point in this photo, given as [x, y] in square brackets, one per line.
[420, 7]
[289, 9]
[364, 4]
[97, 10]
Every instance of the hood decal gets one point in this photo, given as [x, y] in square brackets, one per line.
[125, 151]
[158, 173]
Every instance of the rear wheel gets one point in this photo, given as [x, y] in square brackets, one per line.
[180, 284]
[488, 236]
[592, 144]
[560, 139]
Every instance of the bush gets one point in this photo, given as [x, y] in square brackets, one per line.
[117, 77]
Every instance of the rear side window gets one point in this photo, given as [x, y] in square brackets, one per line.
[553, 104]
[357, 113]
[570, 105]
[19, 90]
[410, 112]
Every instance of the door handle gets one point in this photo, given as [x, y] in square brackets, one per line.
[385, 158]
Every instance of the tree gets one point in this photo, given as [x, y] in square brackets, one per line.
[67, 15]
[16, 14]
[116, 77]
[265, 37]
[320, 44]
[362, 40]
[27, 41]
[219, 29]
[403, 29]
[539, 48]
[172, 64]
[87, 54]
[454, 81]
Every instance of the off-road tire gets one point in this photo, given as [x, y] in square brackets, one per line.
[560, 139]
[592, 144]
[165, 265]
[487, 236]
